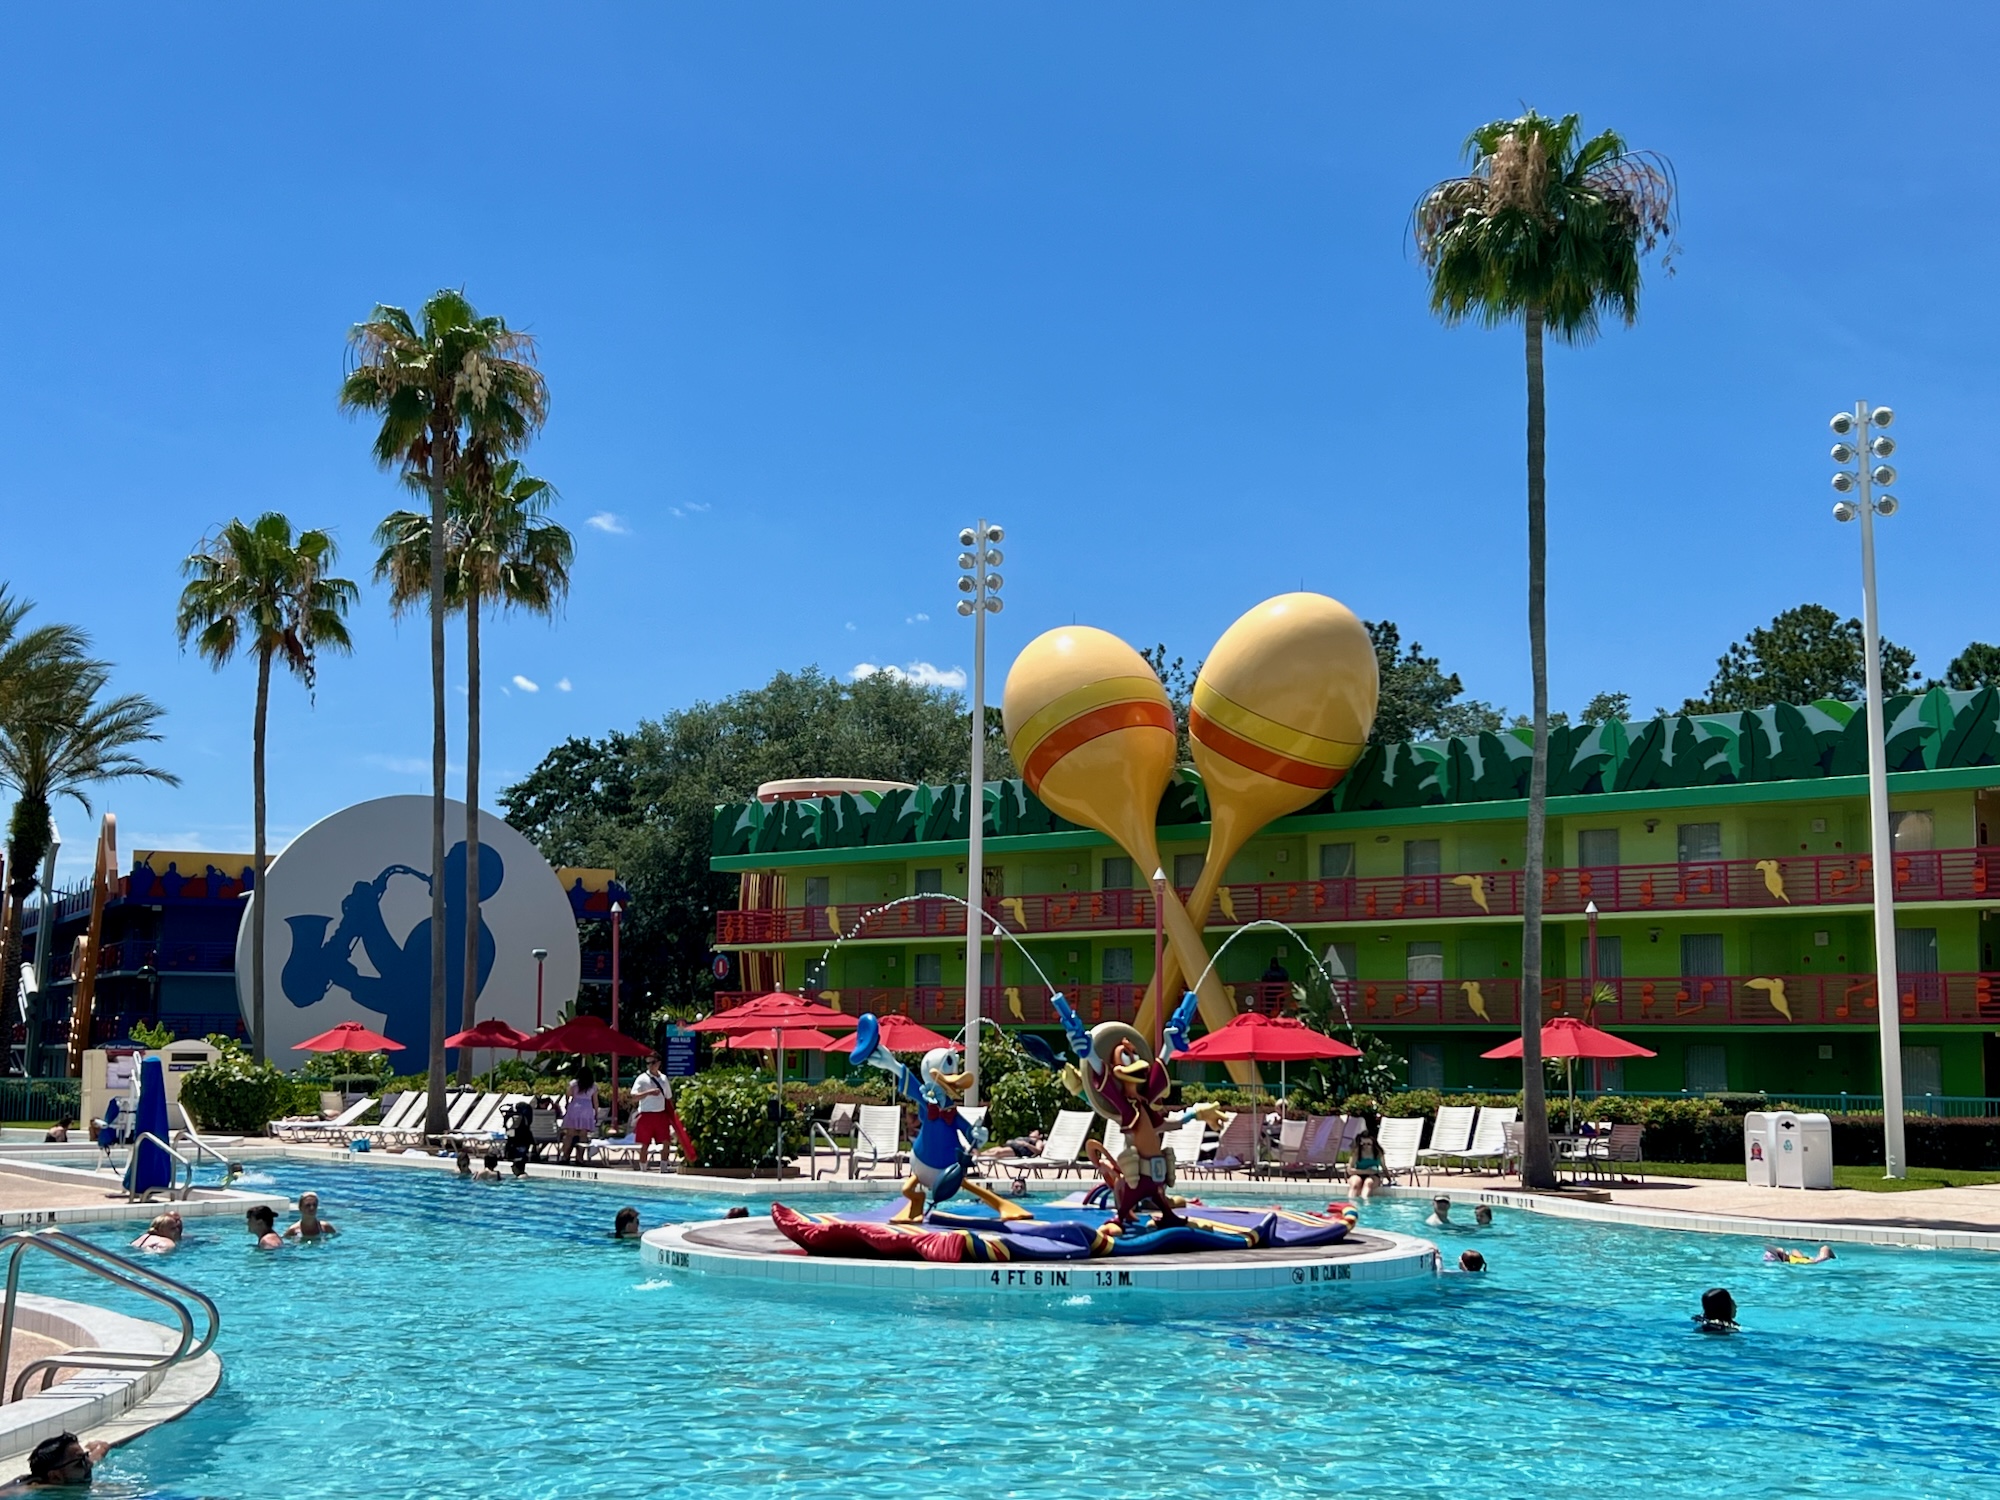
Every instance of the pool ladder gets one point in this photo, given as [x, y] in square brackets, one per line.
[121, 1271]
[187, 1165]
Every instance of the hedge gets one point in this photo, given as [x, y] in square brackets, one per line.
[728, 1116]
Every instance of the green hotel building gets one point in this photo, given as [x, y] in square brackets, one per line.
[1727, 855]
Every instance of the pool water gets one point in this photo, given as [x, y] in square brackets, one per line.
[490, 1340]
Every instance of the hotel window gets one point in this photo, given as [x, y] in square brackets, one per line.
[1912, 832]
[1706, 1069]
[930, 970]
[1700, 842]
[1424, 961]
[1187, 870]
[1340, 960]
[1336, 861]
[1420, 857]
[1923, 1071]
[1117, 965]
[1117, 873]
[818, 890]
[1701, 954]
[1916, 950]
[1610, 957]
[1426, 1065]
[929, 882]
[1597, 848]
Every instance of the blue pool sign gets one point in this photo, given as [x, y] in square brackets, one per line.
[348, 937]
[677, 1052]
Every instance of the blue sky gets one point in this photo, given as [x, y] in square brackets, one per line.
[815, 285]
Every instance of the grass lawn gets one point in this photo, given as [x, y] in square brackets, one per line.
[1867, 1179]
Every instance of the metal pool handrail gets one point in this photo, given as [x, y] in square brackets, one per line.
[201, 1147]
[132, 1161]
[120, 1271]
[821, 1133]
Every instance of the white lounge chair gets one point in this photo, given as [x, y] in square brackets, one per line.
[1061, 1148]
[1291, 1145]
[878, 1135]
[1400, 1141]
[1489, 1138]
[1114, 1138]
[1186, 1142]
[1451, 1133]
[306, 1128]
[1236, 1146]
[1320, 1147]
[396, 1117]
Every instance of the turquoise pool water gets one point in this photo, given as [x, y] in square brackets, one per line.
[490, 1341]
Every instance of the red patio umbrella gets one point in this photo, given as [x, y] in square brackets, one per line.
[348, 1036]
[1568, 1038]
[1253, 1037]
[490, 1033]
[779, 1013]
[768, 1040]
[591, 1037]
[901, 1034]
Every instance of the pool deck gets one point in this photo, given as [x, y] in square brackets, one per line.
[40, 1192]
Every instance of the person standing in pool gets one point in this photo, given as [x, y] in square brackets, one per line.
[63, 1462]
[310, 1225]
[162, 1235]
[264, 1225]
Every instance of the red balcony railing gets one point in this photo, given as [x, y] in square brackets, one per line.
[1715, 885]
[1706, 1000]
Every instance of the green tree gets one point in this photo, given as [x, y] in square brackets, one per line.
[60, 739]
[26, 657]
[454, 392]
[1605, 707]
[1550, 230]
[500, 548]
[1419, 699]
[254, 587]
[1804, 654]
[644, 802]
[1977, 666]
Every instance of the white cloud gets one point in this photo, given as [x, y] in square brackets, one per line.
[604, 520]
[919, 618]
[526, 686]
[691, 508]
[562, 684]
[922, 673]
[850, 624]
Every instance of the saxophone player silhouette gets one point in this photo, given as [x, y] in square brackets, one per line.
[400, 987]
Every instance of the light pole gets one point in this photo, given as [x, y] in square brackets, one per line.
[541, 958]
[1865, 442]
[45, 934]
[1590, 1000]
[982, 588]
[617, 911]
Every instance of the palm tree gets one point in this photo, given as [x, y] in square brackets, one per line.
[500, 547]
[24, 657]
[256, 587]
[1548, 229]
[451, 389]
[57, 740]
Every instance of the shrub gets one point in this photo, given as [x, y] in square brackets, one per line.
[1026, 1100]
[727, 1115]
[236, 1095]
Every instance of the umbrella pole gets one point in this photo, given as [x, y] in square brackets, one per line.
[778, 1146]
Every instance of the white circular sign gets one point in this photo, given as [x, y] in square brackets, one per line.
[348, 935]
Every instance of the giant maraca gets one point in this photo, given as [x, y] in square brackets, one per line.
[1281, 709]
[1092, 731]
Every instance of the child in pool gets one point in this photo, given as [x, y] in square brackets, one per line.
[1778, 1255]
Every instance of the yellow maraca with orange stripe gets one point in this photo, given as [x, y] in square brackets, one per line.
[1281, 709]
[1093, 734]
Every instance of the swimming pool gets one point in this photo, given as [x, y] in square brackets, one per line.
[490, 1341]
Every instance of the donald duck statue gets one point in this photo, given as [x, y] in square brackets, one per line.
[941, 1154]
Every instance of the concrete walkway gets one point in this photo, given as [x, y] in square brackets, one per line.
[1960, 1209]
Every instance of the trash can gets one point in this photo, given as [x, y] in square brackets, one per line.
[1804, 1154]
[1759, 1143]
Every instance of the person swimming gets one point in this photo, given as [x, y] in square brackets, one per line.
[626, 1225]
[1779, 1255]
[1718, 1312]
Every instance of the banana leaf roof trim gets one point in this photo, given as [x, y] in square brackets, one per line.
[1936, 730]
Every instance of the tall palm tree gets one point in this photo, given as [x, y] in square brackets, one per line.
[25, 656]
[256, 587]
[451, 388]
[59, 740]
[500, 548]
[1550, 230]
